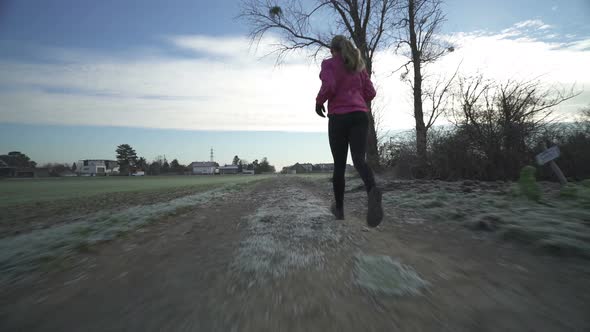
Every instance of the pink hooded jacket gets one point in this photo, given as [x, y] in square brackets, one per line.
[345, 91]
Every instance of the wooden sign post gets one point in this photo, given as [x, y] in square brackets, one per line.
[548, 156]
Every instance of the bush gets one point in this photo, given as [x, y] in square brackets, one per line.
[400, 154]
[455, 153]
[528, 184]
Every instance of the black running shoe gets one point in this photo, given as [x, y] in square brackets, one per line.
[375, 211]
[337, 212]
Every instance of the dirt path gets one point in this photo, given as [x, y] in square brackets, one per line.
[271, 258]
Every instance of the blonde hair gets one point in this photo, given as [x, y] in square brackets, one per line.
[350, 54]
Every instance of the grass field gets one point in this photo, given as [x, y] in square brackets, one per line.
[26, 191]
[45, 221]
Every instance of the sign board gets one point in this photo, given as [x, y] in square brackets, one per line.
[547, 155]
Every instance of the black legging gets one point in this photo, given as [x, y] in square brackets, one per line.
[344, 129]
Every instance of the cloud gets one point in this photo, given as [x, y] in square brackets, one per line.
[221, 83]
[228, 46]
[242, 92]
[238, 49]
[529, 28]
[538, 24]
[579, 45]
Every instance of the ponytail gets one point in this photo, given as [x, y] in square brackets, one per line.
[350, 54]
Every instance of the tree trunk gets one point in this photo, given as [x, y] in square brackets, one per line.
[372, 143]
[372, 149]
[418, 112]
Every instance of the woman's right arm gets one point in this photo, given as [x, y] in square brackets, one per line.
[328, 83]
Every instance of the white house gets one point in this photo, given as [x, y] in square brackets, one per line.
[203, 167]
[93, 167]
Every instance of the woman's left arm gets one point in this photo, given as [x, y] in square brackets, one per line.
[368, 90]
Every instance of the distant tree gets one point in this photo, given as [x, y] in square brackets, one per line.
[142, 164]
[584, 120]
[58, 169]
[55, 169]
[236, 161]
[154, 168]
[264, 167]
[244, 164]
[252, 166]
[176, 167]
[74, 167]
[174, 164]
[126, 158]
[159, 159]
[165, 166]
[18, 159]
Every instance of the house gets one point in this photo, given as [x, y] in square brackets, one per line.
[229, 169]
[203, 167]
[22, 172]
[298, 168]
[6, 170]
[31, 172]
[94, 167]
[307, 167]
[288, 170]
[323, 167]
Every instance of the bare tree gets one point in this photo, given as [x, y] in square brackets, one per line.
[300, 27]
[585, 113]
[420, 23]
[436, 98]
[504, 119]
[378, 107]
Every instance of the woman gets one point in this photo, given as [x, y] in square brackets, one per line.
[348, 89]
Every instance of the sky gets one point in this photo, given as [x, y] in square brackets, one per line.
[177, 78]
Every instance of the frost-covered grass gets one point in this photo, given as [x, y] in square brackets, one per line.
[291, 231]
[382, 274]
[559, 221]
[25, 253]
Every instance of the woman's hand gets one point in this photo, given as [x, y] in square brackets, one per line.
[320, 110]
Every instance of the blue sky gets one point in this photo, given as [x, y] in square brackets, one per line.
[177, 77]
